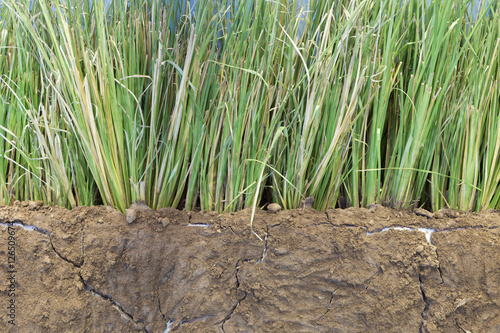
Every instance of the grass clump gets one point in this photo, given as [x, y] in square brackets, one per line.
[224, 105]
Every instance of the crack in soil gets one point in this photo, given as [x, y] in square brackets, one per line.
[237, 268]
[346, 225]
[231, 311]
[113, 302]
[159, 303]
[439, 267]
[189, 321]
[170, 321]
[18, 223]
[316, 224]
[427, 231]
[332, 294]
[367, 282]
[233, 308]
[78, 265]
[426, 307]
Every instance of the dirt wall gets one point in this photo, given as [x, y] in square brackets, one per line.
[353, 270]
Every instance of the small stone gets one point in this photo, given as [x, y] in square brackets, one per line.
[423, 212]
[131, 215]
[24, 204]
[100, 221]
[273, 208]
[420, 249]
[17, 203]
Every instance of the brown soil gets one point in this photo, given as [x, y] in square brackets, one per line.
[88, 270]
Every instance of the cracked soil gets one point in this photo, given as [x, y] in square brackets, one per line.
[352, 270]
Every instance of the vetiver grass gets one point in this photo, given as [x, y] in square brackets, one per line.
[225, 106]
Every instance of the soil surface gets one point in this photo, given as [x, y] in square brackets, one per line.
[352, 270]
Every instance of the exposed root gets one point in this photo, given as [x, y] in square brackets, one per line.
[264, 252]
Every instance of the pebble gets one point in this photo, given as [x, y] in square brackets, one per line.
[131, 215]
[273, 208]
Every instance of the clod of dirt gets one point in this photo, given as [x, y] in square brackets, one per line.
[32, 205]
[446, 212]
[131, 215]
[134, 209]
[373, 207]
[164, 221]
[423, 212]
[307, 202]
[273, 208]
